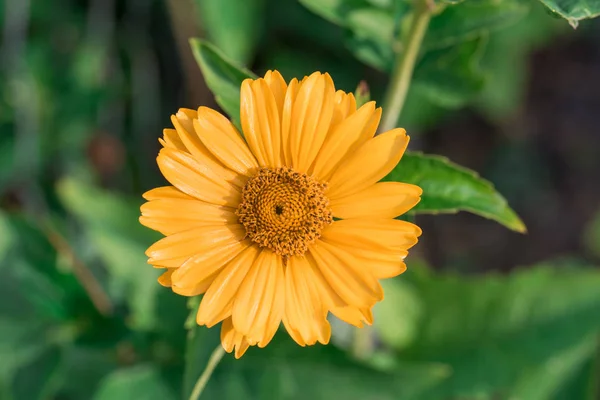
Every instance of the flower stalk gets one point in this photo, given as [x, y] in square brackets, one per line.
[404, 66]
[213, 361]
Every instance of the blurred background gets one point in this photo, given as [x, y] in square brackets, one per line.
[484, 313]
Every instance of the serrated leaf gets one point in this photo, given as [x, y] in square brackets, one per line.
[448, 188]
[234, 26]
[140, 382]
[452, 77]
[574, 10]
[222, 76]
[490, 329]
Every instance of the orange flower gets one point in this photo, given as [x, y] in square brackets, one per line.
[290, 223]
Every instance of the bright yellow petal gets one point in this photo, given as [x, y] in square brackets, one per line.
[278, 88]
[165, 278]
[260, 122]
[311, 118]
[166, 192]
[169, 263]
[286, 121]
[355, 285]
[381, 263]
[196, 179]
[231, 339]
[194, 241]
[170, 216]
[276, 312]
[344, 139]
[221, 294]
[305, 315]
[195, 276]
[374, 234]
[382, 200]
[171, 140]
[354, 316]
[345, 105]
[371, 162]
[224, 141]
[257, 297]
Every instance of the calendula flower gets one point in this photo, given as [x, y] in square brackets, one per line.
[288, 222]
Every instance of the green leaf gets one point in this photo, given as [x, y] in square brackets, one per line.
[492, 329]
[234, 26]
[335, 11]
[140, 382]
[545, 381]
[451, 77]
[468, 20]
[371, 37]
[111, 224]
[222, 76]
[449, 188]
[574, 10]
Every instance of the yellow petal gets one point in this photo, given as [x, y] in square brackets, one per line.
[305, 314]
[221, 294]
[231, 339]
[374, 234]
[345, 105]
[276, 312]
[196, 179]
[170, 216]
[257, 297]
[195, 276]
[353, 315]
[224, 141]
[166, 192]
[286, 120]
[381, 263]
[171, 140]
[355, 285]
[169, 263]
[382, 200]
[260, 122]
[344, 139]
[310, 121]
[371, 162]
[278, 88]
[194, 241]
[185, 128]
[165, 279]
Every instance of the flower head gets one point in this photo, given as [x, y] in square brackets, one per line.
[288, 222]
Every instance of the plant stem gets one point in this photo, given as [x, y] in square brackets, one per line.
[404, 66]
[213, 361]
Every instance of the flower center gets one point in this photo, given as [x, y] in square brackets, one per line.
[284, 210]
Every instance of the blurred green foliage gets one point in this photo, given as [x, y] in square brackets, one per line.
[82, 104]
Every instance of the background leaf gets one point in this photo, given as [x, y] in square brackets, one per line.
[574, 10]
[448, 188]
[222, 77]
[140, 382]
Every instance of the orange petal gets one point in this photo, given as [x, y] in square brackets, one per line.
[195, 276]
[344, 106]
[382, 200]
[310, 121]
[373, 234]
[194, 241]
[355, 285]
[165, 279]
[170, 216]
[260, 122]
[224, 141]
[166, 192]
[371, 162]
[354, 316]
[344, 139]
[231, 339]
[258, 297]
[221, 294]
[278, 88]
[305, 315]
[286, 120]
[197, 179]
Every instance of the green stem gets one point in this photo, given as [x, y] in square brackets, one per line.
[213, 361]
[404, 66]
